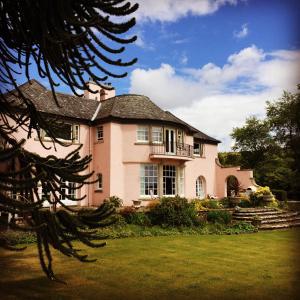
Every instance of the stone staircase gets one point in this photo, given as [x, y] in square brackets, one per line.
[267, 218]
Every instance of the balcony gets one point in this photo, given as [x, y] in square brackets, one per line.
[177, 151]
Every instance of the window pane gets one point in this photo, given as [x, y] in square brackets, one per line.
[100, 133]
[157, 135]
[143, 134]
[169, 180]
[197, 148]
[148, 180]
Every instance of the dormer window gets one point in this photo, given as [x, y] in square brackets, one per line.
[143, 134]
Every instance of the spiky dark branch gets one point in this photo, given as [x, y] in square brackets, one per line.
[66, 40]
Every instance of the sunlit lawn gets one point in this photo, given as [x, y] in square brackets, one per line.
[264, 265]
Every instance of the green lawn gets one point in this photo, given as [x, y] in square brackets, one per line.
[263, 265]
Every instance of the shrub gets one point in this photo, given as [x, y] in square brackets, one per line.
[257, 197]
[245, 202]
[219, 216]
[19, 237]
[280, 194]
[206, 204]
[115, 201]
[132, 216]
[138, 218]
[199, 205]
[173, 211]
[225, 202]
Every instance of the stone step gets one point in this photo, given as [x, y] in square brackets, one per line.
[266, 217]
[256, 209]
[249, 214]
[284, 220]
[278, 226]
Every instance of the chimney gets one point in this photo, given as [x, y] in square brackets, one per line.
[102, 94]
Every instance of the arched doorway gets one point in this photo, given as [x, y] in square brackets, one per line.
[232, 186]
[200, 187]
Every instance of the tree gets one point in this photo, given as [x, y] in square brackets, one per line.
[284, 118]
[272, 146]
[67, 40]
[254, 141]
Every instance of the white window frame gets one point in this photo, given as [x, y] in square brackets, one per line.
[200, 187]
[75, 134]
[99, 183]
[170, 171]
[180, 136]
[67, 187]
[100, 133]
[142, 134]
[157, 135]
[180, 181]
[149, 177]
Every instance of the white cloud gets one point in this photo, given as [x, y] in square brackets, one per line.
[141, 42]
[184, 59]
[243, 32]
[172, 10]
[216, 98]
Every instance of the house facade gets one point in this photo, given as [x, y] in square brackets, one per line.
[140, 152]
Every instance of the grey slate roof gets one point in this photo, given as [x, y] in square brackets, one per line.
[70, 106]
[123, 108]
[204, 137]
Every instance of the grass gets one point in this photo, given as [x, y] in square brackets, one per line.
[263, 265]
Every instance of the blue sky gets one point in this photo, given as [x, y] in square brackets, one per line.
[214, 62]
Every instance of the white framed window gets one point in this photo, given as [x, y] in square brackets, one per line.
[67, 190]
[169, 180]
[199, 149]
[181, 181]
[99, 133]
[180, 136]
[75, 133]
[149, 180]
[143, 134]
[157, 135]
[64, 132]
[200, 187]
[99, 183]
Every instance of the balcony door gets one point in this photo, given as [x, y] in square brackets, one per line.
[170, 141]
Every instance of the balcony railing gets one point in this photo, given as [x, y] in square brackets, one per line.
[172, 149]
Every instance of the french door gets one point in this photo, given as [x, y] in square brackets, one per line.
[170, 141]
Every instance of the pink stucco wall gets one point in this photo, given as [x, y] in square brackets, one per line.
[245, 178]
[35, 146]
[101, 163]
[119, 157]
[97, 96]
[202, 166]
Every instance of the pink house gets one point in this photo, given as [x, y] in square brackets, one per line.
[139, 150]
